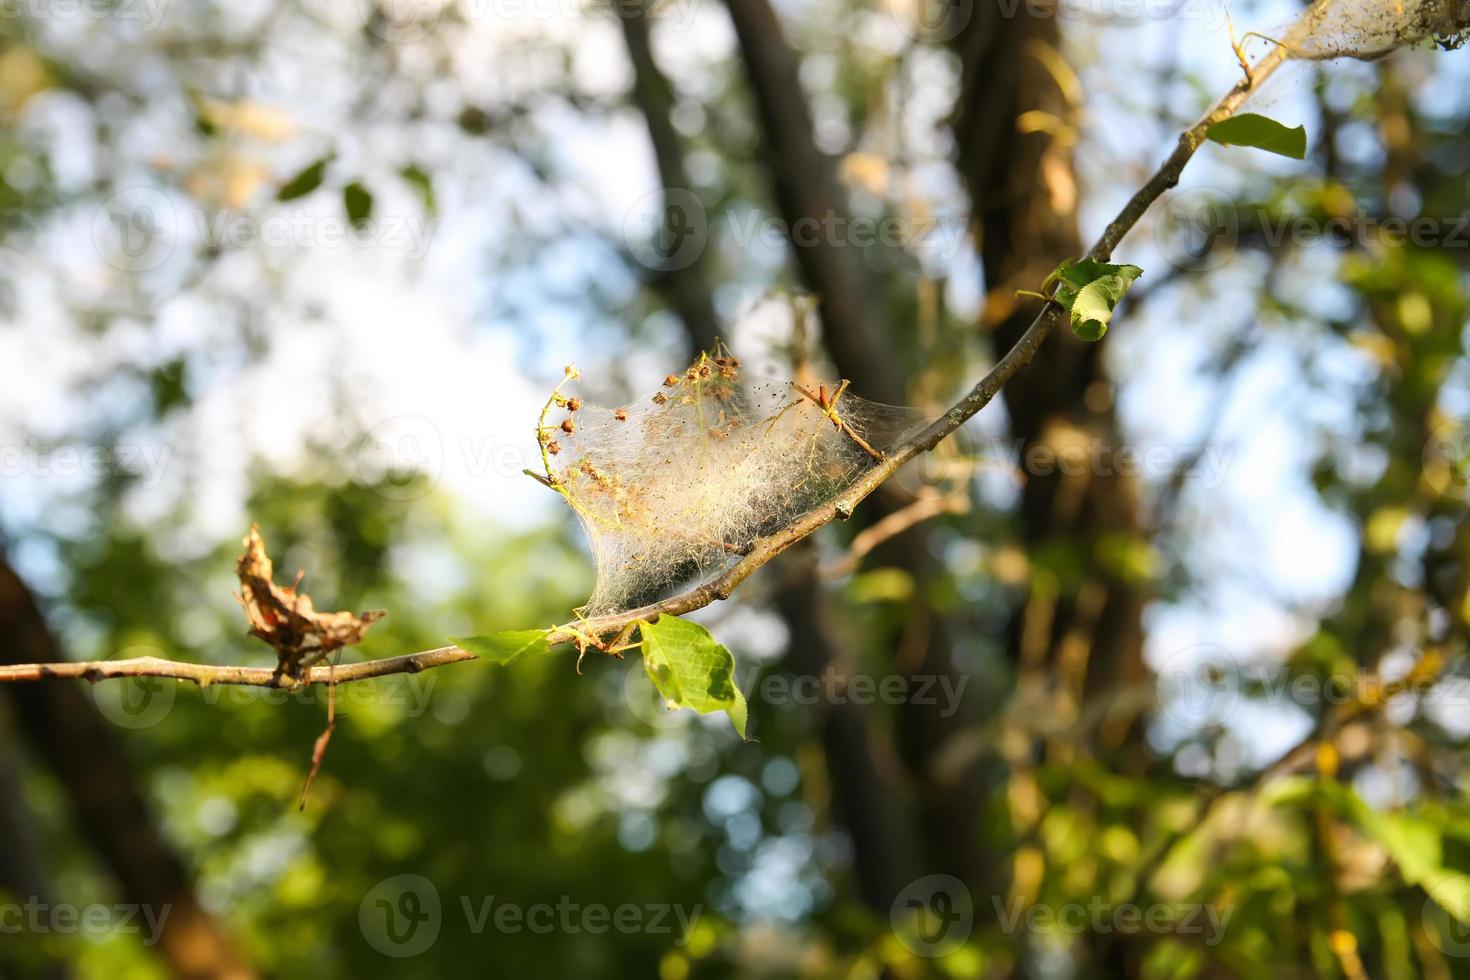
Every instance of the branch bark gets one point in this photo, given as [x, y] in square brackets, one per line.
[207, 674]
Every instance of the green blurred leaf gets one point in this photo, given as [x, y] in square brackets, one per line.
[690, 669]
[422, 184]
[358, 201]
[881, 585]
[1261, 132]
[505, 646]
[304, 182]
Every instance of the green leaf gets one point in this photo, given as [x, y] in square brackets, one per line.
[1090, 290]
[358, 201]
[422, 184]
[1414, 844]
[1261, 132]
[305, 182]
[505, 646]
[1414, 841]
[690, 669]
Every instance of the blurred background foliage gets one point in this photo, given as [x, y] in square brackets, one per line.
[316, 265]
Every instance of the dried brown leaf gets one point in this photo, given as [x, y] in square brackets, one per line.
[285, 618]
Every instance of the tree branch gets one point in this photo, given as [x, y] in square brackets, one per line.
[890, 527]
[207, 674]
[773, 544]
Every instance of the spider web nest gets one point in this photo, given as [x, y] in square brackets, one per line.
[676, 487]
[1369, 29]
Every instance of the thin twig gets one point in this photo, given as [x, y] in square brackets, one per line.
[207, 674]
[890, 527]
[319, 750]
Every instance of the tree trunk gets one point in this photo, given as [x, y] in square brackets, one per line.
[81, 749]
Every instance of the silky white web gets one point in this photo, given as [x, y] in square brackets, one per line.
[1369, 29]
[675, 487]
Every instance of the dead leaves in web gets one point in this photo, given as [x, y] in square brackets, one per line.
[285, 618]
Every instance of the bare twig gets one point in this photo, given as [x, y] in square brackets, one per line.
[207, 674]
[319, 750]
[890, 527]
